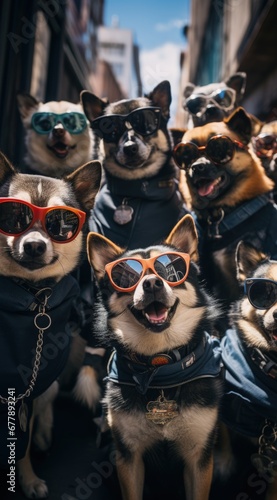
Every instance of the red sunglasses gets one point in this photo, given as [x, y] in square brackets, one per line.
[61, 223]
[126, 273]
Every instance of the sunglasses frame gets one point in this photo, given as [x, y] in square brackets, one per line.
[146, 265]
[202, 149]
[39, 214]
[123, 119]
[58, 119]
[210, 98]
[264, 152]
[249, 282]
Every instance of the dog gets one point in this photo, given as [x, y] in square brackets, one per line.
[156, 394]
[215, 101]
[42, 237]
[139, 202]
[58, 138]
[249, 354]
[265, 147]
[230, 196]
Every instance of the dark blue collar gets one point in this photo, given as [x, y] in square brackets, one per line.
[204, 361]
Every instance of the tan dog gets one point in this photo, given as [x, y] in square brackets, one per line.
[57, 136]
[230, 195]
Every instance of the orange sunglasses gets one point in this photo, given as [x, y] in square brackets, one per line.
[126, 273]
[61, 223]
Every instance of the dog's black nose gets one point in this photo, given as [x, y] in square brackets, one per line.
[152, 283]
[34, 248]
[130, 148]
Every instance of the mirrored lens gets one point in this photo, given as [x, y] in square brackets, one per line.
[61, 225]
[220, 149]
[15, 217]
[109, 128]
[43, 123]
[262, 294]
[144, 122]
[75, 123]
[185, 154]
[126, 273]
[224, 97]
[196, 104]
[170, 267]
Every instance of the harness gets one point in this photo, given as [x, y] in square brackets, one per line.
[140, 212]
[166, 370]
[34, 344]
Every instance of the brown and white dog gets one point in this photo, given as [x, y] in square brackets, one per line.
[42, 237]
[230, 195]
[163, 390]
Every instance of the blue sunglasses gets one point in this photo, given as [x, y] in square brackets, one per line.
[73, 122]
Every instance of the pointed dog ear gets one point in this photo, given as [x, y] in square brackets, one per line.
[240, 123]
[101, 251]
[247, 259]
[6, 168]
[27, 104]
[161, 97]
[93, 106]
[85, 181]
[184, 237]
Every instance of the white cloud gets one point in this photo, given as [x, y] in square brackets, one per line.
[162, 63]
[175, 23]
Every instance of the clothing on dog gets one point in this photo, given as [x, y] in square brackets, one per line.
[18, 339]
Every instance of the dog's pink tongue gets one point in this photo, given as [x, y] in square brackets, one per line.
[206, 189]
[156, 312]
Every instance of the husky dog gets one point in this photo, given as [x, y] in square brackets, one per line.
[249, 352]
[164, 386]
[57, 136]
[42, 235]
[265, 147]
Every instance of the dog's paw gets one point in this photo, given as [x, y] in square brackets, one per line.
[87, 389]
[34, 488]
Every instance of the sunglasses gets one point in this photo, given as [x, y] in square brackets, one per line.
[144, 121]
[73, 122]
[261, 292]
[220, 149]
[62, 224]
[125, 274]
[265, 145]
[223, 98]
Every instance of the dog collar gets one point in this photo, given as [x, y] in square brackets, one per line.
[204, 361]
[220, 223]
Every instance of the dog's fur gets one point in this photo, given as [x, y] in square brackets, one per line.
[59, 152]
[139, 171]
[191, 311]
[269, 162]
[224, 191]
[36, 261]
[214, 113]
[244, 410]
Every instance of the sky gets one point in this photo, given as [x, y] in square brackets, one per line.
[158, 31]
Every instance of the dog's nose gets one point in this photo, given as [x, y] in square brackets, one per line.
[151, 284]
[58, 131]
[34, 248]
[130, 148]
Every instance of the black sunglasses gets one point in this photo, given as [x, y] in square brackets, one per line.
[144, 121]
[223, 98]
[61, 223]
[73, 122]
[220, 149]
[261, 292]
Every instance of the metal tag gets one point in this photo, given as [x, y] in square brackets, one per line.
[23, 416]
[123, 214]
[161, 411]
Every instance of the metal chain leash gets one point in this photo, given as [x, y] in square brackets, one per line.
[266, 461]
[41, 315]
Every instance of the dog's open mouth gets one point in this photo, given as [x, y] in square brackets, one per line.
[60, 149]
[156, 316]
[211, 188]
